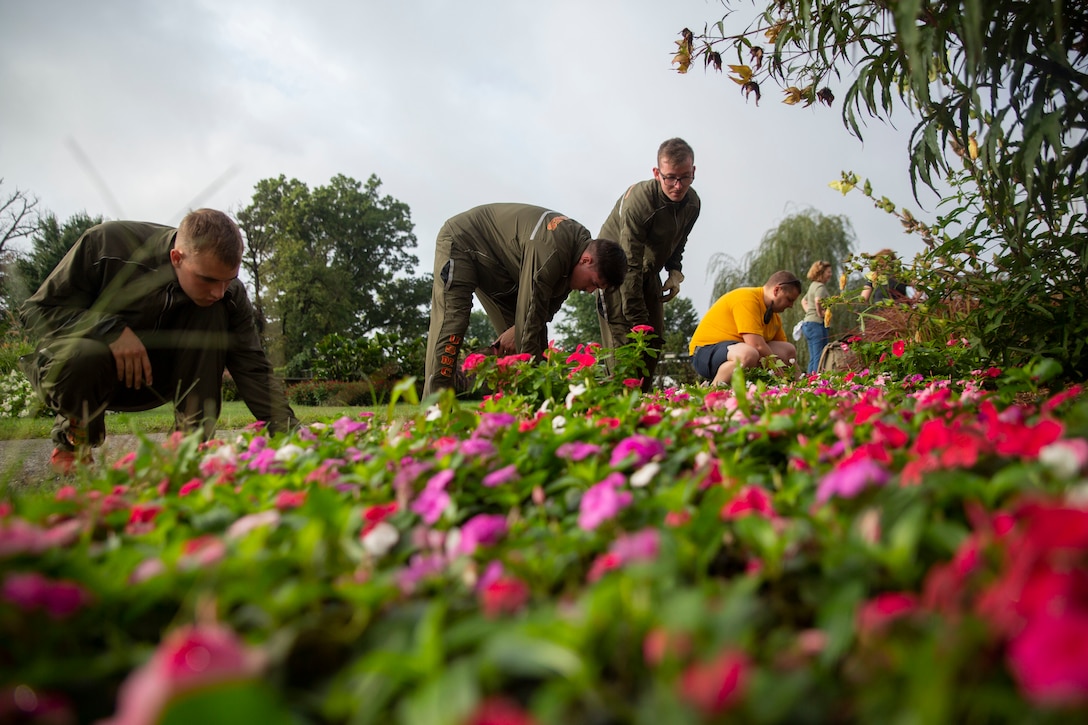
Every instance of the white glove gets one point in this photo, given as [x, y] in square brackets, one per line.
[672, 285]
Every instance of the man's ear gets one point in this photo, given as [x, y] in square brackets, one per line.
[175, 256]
[587, 258]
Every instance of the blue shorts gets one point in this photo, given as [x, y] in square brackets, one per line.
[708, 358]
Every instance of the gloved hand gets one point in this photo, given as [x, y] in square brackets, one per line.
[672, 285]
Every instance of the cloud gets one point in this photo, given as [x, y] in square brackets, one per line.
[451, 104]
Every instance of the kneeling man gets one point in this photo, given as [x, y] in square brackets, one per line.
[743, 327]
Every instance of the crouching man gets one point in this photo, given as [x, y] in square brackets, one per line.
[139, 315]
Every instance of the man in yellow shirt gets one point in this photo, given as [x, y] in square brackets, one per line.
[743, 327]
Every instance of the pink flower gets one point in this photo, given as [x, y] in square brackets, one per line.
[481, 530]
[602, 565]
[374, 515]
[141, 519]
[577, 450]
[345, 426]
[749, 500]
[499, 711]
[642, 448]
[580, 360]
[883, 608]
[645, 329]
[632, 383]
[472, 362]
[433, 499]
[189, 486]
[251, 522]
[506, 474]
[898, 348]
[202, 551]
[602, 502]
[851, 479]
[59, 598]
[714, 686]
[420, 567]
[1047, 658]
[287, 500]
[188, 659]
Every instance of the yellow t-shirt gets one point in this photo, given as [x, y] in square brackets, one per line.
[734, 314]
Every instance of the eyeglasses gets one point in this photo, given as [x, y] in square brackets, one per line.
[672, 179]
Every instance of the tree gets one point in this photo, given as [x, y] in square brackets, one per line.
[334, 259]
[799, 240]
[49, 243]
[999, 91]
[18, 217]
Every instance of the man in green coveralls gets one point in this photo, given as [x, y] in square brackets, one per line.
[651, 221]
[139, 315]
[521, 261]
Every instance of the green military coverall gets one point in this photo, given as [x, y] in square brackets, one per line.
[653, 230]
[518, 260]
[119, 274]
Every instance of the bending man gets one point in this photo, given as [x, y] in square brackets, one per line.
[651, 221]
[139, 315]
[743, 327]
[521, 261]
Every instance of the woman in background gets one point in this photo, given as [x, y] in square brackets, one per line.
[814, 329]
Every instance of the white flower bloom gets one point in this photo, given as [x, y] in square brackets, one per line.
[575, 391]
[433, 413]
[289, 452]
[379, 540]
[1061, 458]
[644, 475]
[559, 423]
[248, 523]
[545, 406]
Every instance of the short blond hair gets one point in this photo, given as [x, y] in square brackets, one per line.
[210, 230]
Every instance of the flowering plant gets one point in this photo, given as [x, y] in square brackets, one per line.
[571, 550]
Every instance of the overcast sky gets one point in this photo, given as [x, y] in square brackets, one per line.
[142, 109]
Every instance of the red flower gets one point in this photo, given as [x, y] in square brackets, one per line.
[374, 515]
[749, 500]
[714, 686]
[505, 595]
[898, 348]
[499, 711]
[884, 608]
[286, 500]
[1047, 659]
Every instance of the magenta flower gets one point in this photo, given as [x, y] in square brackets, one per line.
[642, 447]
[420, 567]
[492, 423]
[58, 597]
[506, 474]
[850, 480]
[188, 659]
[642, 545]
[472, 361]
[898, 348]
[749, 500]
[577, 450]
[643, 328]
[478, 448]
[1047, 658]
[602, 502]
[346, 426]
[481, 530]
[433, 499]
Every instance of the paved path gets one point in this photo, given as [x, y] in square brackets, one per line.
[25, 463]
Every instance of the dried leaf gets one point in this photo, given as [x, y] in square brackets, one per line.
[793, 95]
[743, 72]
[756, 56]
[749, 88]
[826, 96]
[714, 58]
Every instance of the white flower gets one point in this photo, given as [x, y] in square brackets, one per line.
[380, 539]
[1065, 458]
[559, 423]
[433, 413]
[575, 391]
[289, 452]
[644, 475]
[248, 523]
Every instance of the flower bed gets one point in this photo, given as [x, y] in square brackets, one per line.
[570, 550]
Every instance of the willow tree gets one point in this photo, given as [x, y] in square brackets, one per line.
[800, 239]
[999, 89]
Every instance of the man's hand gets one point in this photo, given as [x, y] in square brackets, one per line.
[672, 285]
[507, 342]
[133, 364]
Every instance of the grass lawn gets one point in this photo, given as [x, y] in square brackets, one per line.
[235, 415]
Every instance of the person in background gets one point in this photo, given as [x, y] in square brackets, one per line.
[814, 329]
[138, 315]
[881, 283]
[743, 327]
[651, 221]
[522, 262]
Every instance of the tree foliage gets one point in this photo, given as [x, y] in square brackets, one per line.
[999, 89]
[332, 259]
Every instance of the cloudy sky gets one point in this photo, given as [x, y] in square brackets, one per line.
[142, 109]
